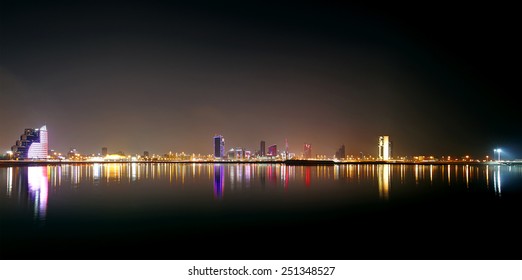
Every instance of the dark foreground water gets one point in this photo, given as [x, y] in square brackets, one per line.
[260, 211]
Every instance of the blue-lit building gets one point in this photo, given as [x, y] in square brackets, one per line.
[33, 144]
[219, 146]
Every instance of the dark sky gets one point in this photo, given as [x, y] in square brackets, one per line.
[440, 78]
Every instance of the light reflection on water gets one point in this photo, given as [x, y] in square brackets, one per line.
[35, 184]
[38, 190]
[219, 181]
[384, 180]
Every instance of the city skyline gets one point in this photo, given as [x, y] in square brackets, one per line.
[33, 144]
[163, 76]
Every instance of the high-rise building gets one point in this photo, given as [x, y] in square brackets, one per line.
[262, 149]
[341, 153]
[272, 151]
[33, 144]
[231, 154]
[307, 151]
[219, 146]
[104, 151]
[239, 153]
[385, 148]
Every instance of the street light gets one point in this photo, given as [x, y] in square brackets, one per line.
[498, 151]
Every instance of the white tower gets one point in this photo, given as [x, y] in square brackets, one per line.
[384, 148]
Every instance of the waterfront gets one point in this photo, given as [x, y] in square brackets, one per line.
[253, 211]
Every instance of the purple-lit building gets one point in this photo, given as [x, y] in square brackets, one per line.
[33, 144]
[272, 151]
[219, 146]
[219, 181]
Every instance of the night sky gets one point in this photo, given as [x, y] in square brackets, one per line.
[440, 78]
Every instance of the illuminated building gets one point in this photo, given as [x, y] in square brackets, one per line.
[104, 151]
[385, 148]
[219, 146]
[341, 153]
[307, 151]
[237, 153]
[262, 149]
[72, 153]
[33, 144]
[272, 151]
[231, 154]
[240, 153]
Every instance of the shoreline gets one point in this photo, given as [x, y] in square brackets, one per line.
[9, 163]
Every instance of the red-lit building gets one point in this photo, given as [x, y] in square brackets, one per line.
[272, 151]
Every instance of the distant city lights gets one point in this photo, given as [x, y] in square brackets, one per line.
[33, 146]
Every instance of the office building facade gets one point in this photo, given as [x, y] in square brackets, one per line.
[219, 146]
[272, 151]
[33, 144]
[262, 151]
[385, 148]
[307, 151]
[341, 153]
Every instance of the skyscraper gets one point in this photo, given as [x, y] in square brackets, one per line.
[307, 153]
[104, 151]
[384, 148]
[272, 151]
[262, 149]
[33, 144]
[239, 153]
[341, 153]
[219, 146]
[286, 148]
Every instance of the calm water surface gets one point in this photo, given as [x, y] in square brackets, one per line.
[260, 211]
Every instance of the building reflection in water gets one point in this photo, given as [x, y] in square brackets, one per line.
[248, 176]
[38, 190]
[96, 173]
[308, 174]
[497, 182]
[286, 176]
[219, 181]
[384, 180]
[262, 175]
[487, 176]
[9, 181]
[30, 185]
[449, 175]
[133, 171]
